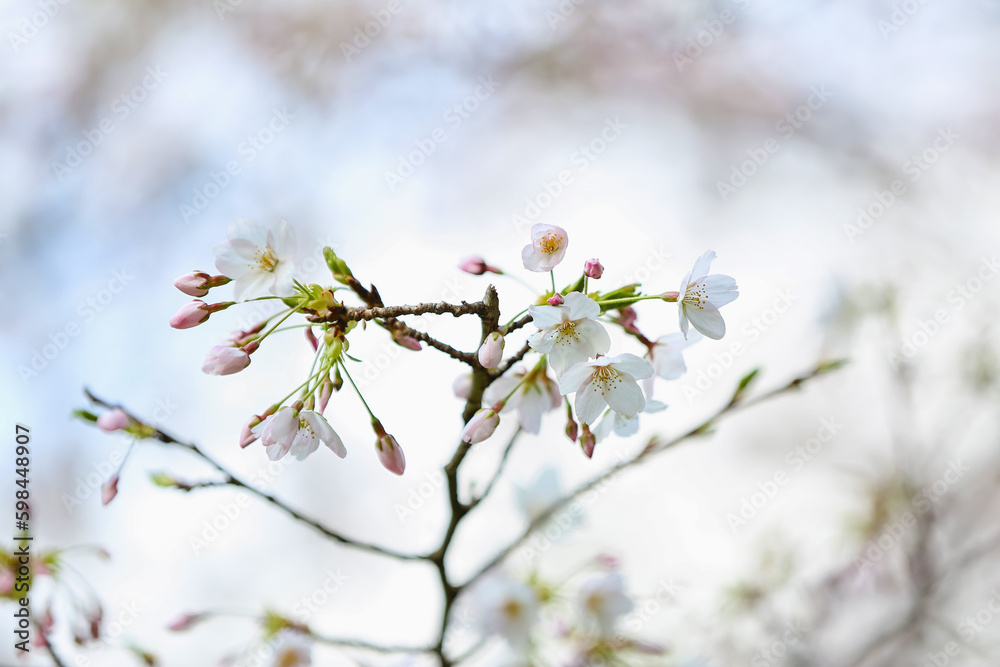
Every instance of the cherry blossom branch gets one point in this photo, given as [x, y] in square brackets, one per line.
[232, 480]
[654, 447]
[465, 357]
[514, 326]
[357, 643]
[505, 366]
[441, 308]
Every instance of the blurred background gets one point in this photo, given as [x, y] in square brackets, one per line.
[840, 157]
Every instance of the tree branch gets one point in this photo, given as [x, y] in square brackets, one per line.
[654, 447]
[232, 480]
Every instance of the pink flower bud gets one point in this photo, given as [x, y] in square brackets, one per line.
[491, 352]
[325, 392]
[556, 300]
[627, 317]
[225, 360]
[670, 296]
[481, 426]
[409, 342]
[184, 622]
[592, 268]
[247, 436]
[196, 283]
[462, 385]
[190, 315]
[109, 490]
[113, 420]
[588, 442]
[311, 337]
[477, 266]
[6, 582]
[390, 454]
[571, 429]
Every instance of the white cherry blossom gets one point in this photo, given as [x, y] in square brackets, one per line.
[298, 433]
[257, 259]
[606, 382]
[602, 600]
[507, 608]
[701, 296]
[569, 333]
[537, 395]
[547, 248]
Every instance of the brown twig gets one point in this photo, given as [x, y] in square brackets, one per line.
[232, 480]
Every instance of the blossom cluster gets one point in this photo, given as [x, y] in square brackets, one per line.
[573, 343]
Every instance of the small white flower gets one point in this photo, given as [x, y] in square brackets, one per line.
[547, 248]
[539, 394]
[507, 608]
[298, 433]
[293, 652]
[667, 357]
[569, 333]
[257, 259]
[606, 382]
[602, 600]
[701, 296]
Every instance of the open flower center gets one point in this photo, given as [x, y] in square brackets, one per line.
[605, 379]
[550, 243]
[265, 258]
[566, 334]
[695, 295]
[512, 609]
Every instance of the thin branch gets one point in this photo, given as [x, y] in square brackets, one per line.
[232, 480]
[442, 308]
[357, 643]
[505, 366]
[465, 357]
[655, 447]
[518, 324]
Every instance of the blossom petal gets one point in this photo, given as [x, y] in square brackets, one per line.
[250, 230]
[590, 402]
[703, 264]
[533, 261]
[283, 240]
[625, 426]
[548, 317]
[230, 264]
[529, 413]
[595, 336]
[719, 289]
[582, 306]
[635, 366]
[574, 378]
[708, 320]
[283, 283]
[542, 341]
[625, 396]
[252, 284]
